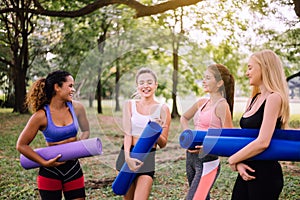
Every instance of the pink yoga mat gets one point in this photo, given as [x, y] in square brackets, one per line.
[68, 151]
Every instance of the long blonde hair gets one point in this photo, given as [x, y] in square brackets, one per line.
[274, 80]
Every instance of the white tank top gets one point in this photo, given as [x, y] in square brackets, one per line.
[139, 121]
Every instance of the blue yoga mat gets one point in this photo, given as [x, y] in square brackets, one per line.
[191, 138]
[285, 134]
[140, 151]
[68, 151]
[283, 150]
[284, 146]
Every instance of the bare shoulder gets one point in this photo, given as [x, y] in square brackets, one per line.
[77, 104]
[201, 101]
[127, 103]
[274, 98]
[39, 115]
[221, 108]
[165, 108]
[78, 107]
[39, 118]
[222, 104]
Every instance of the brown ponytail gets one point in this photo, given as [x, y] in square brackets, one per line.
[36, 97]
[222, 73]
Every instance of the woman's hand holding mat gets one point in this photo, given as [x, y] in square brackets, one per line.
[284, 146]
[140, 151]
[68, 151]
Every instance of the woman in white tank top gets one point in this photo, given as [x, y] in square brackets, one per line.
[136, 115]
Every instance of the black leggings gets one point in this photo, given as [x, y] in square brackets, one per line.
[267, 185]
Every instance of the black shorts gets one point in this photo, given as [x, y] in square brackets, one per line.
[67, 178]
[148, 167]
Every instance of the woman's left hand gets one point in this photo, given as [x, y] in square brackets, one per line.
[134, 164]
[242, 169]
[197, 150]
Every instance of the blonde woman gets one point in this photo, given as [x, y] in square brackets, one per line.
[267, 110]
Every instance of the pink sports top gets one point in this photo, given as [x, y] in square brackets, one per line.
[208, 118]
[139, 121]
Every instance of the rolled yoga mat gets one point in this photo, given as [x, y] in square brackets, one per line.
[68, 151]
[191, 138]
[284, 146]
[283, 134]
[140, 151]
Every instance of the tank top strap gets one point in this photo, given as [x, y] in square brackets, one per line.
[133, 106]
[252, 102]
[220, 100]
[70, 105]
[156, 113]
[203, 105]
[48, 114]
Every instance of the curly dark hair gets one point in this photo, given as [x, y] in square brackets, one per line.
[42, 90]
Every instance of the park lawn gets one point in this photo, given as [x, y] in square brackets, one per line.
[169, 183]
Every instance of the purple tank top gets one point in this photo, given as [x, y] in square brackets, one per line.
[54, 133]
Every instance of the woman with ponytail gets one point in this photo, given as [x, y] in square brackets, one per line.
[212, 112]
[58, 117]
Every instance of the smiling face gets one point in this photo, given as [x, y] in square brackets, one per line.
[254, 72]
[67, 90]
[146, 85]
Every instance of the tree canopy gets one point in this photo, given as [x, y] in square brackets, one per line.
[42, 8]
[37, 36]
[89, 6]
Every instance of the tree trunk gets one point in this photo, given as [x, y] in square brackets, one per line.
[99, 92]
[21, 56]
[101, 44]
[91, 98]
[20, 90]
[117, 87]
[297, 7]
[175, 47]
[175, 113]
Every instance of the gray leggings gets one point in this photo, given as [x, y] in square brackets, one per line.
[194, 167]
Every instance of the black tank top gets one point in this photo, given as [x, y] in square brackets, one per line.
[254, 121]
[264, 169]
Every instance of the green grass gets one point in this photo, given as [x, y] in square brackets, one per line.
[295, 121]
[170, 181]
